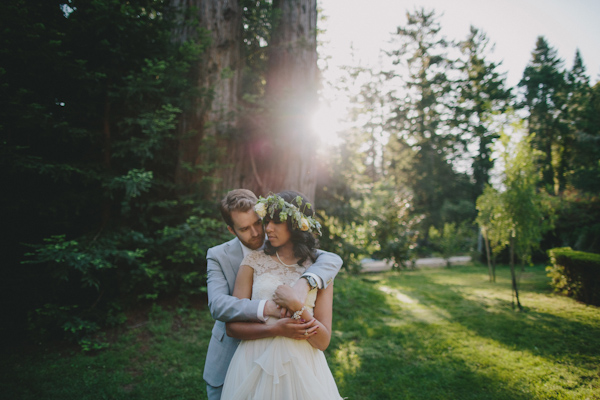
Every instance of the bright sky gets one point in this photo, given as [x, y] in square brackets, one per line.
[513, 25]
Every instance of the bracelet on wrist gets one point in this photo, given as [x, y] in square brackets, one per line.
[298, 313]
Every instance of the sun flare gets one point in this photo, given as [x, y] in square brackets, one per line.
[326, 123]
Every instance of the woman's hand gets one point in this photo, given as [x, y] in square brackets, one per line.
[294, 329]
[286, 298]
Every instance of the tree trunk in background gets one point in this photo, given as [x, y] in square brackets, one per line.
[258, 150]
[513, 274]
[282, 154]
[491, 267]
[213, 117]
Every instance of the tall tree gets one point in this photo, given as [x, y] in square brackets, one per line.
[481, 93]
[545, 96]
[583, 146]
[260, 139]
[423, 146]
[213, 118]
[488, 207]
[89, 108]
[368, 114]
[291, 95]
[518, 216]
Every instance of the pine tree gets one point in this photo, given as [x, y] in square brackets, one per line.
[582, 149]
[481, 93]
[545, 98]
[422, 148]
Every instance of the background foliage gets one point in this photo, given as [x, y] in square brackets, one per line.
[91, 99]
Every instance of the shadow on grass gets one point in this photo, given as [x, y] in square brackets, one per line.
[379, 351]
[550, 336]
[161, 359]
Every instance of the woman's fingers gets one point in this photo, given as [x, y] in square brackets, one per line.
[307, 329]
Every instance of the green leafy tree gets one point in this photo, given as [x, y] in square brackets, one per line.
[344, 191]
[369, 213]
[368, 114]
[341, 198]
[518, 216]
[494, 235]
[422, 147]
[393, 224]
[89, 109]
[452, 240]
[481, 95]
[582, 169]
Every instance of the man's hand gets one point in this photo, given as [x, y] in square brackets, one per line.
[293, 329]
[271, 309]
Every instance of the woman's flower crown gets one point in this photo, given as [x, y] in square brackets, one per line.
[287, 210]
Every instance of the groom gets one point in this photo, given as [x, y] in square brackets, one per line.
[223, 262]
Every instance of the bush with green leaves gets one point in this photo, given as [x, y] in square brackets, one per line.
[89, 106]
[394, 226]
[575, 274]
[577, 222]
[453, 240]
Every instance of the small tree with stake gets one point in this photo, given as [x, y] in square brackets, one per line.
[518, 216]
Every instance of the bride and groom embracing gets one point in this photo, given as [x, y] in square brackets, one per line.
[272, 302]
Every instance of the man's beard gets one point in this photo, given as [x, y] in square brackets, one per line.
[255, 243]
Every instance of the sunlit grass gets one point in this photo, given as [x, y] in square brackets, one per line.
[451, 334]
[425, 334]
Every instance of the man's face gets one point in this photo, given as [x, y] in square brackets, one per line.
[247, 226]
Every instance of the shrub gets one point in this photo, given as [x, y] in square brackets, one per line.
[575, 274]
[453, 239]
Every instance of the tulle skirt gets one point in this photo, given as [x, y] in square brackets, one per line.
[279, 369]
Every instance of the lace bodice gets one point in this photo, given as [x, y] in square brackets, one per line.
[269, 273]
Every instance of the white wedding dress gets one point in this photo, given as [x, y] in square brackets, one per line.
[277, 368]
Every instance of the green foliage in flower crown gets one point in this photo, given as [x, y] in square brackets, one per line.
[300, 221]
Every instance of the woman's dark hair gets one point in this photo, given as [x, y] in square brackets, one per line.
[305, 243]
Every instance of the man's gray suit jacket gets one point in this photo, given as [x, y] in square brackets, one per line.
[223, 263]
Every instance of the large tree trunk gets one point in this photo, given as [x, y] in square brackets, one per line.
[285, 158]
[213, 117]
[253, 149]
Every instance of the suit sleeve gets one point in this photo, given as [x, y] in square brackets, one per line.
[222, 305]
[326, 267]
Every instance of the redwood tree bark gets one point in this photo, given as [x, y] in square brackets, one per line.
[276, 150]
[218, 73]
[292, 82]
[258, 150]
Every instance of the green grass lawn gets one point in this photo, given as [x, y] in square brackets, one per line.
[425, 334]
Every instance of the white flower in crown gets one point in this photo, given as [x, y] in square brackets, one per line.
[273, 203]
[304, 225]
[261, 209]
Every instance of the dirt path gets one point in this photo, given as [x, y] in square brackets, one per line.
[369, 265]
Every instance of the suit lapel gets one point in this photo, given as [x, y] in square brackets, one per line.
[234, 257]
[235, 254]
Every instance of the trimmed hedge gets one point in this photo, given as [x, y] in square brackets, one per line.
[575, 274]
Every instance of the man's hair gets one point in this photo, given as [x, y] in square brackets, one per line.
[236, 200]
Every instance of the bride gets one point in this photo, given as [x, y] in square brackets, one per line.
[280, 368]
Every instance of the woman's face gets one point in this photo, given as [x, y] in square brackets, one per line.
[278, 233]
